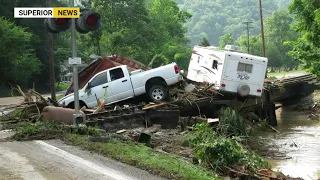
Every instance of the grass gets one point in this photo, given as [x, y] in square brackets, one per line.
[144, 157]
[62, 86]
[59, 97]
[38, 131]
[128, 152]
[284, 73]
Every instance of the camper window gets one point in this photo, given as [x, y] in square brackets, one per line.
[215, 64]
[243, 67]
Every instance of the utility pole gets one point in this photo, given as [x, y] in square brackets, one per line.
[248, 41]
[270, 107]
[262, 30]
[77, 115]
[51, 61]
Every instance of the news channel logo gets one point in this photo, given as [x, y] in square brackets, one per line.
[54, 12]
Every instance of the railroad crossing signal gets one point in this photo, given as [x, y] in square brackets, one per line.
[88, 21]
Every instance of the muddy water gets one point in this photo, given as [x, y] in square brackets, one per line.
[297, 146]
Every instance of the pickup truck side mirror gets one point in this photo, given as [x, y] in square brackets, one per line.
[89, 86]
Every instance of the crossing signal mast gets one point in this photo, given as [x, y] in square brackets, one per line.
[88, 21]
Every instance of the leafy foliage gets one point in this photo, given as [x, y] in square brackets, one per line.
[219, 152]
[18, 61]
[49, 130]
[204, 42]
[226, 39]
[306, 48]
[215, 18]
[138, 29]
[231, 123]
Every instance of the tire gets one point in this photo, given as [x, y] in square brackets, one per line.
[243, 90]
[158, 93]
[71, 105]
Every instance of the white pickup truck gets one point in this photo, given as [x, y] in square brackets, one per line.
[119, 84]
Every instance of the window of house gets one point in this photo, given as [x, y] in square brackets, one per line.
[215, 64]
[116, 74]
[100, 79]
[243, 67]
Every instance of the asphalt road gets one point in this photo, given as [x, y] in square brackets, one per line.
[293, 74]
[54, 160]
[18, 99]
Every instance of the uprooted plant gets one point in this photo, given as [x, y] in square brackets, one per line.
[231, 123]
[220, 154]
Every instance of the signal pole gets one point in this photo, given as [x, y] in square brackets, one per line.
[86, 22]
[77, 115]
[51, 61]
[248, 41]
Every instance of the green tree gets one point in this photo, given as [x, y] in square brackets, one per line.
[279, 31]
[306, 48]
[218, 17]
[225, 40]
[204, 42]
[167, 23]
[18, 61]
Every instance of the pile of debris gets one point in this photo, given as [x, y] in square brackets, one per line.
[35, 107]
[29, 110]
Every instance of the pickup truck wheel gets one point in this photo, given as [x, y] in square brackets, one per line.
[158, 93]
[71, 105]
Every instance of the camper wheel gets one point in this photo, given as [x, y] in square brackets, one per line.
[158, 93]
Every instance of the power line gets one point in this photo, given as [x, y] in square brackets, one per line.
[248, 40]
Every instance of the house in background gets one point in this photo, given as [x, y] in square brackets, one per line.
[67, 71]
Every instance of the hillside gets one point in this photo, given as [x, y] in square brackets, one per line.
[214, 18]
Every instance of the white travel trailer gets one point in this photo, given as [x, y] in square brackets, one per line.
[230, 70]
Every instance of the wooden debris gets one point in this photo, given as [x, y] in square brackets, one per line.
[273, 129]
[147, 107]
[30, 109]
[121, 131]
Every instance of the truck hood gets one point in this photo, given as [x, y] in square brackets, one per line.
[65, 97]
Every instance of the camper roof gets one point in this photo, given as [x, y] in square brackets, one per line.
[210, 51]
[246, 56]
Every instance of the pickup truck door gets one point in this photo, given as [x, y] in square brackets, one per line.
[100, 86]
[120, 84]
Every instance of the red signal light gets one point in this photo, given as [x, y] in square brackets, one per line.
[56, 25]
[61, 21]
[91, 20]
[88, 21]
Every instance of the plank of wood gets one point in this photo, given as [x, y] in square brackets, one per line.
[154, 106]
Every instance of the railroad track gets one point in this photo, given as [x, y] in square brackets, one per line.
[112, 116]
[304, 78]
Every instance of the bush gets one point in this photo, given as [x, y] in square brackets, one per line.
[218, 152]
[231, 123]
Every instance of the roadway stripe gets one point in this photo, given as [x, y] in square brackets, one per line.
[111, 173]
